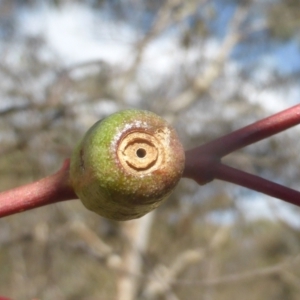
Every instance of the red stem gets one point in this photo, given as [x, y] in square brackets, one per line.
[257, 183]
[251, 133]
[203, 163]
[51, 189]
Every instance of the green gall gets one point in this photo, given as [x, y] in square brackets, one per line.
[127, 164]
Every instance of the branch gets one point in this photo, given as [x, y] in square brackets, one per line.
[202, 82]
[14, 109]
[252, 133]
[258, 184]
[203, 164]
[236, 278]
[137, 233]
[51, 189]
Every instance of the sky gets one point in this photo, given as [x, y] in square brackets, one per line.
[77, 34]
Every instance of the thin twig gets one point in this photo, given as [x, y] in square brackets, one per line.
[252, 133]
[51, 189]
[203, 164]
[258, 184]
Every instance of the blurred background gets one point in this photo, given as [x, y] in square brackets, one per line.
[208, 67]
